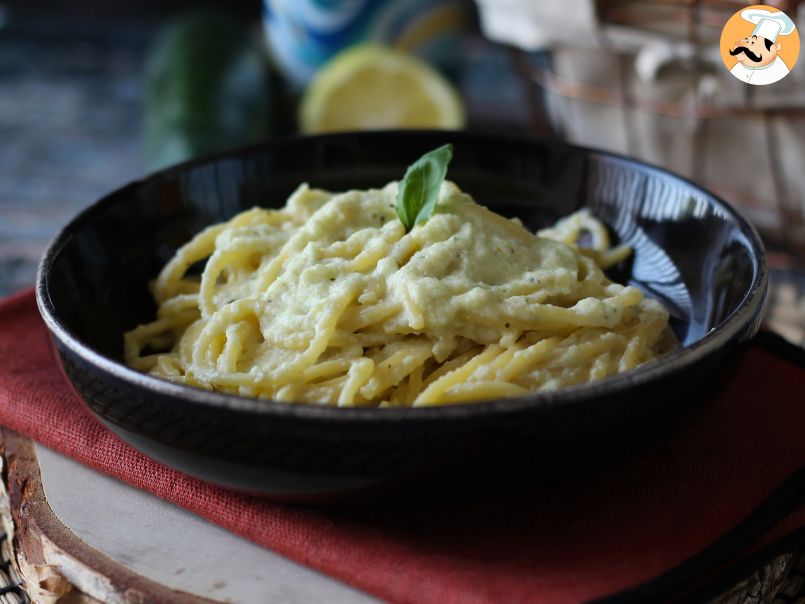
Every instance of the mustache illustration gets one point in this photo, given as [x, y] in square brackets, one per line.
[752, 56]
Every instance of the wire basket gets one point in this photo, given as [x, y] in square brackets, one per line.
[683, 111]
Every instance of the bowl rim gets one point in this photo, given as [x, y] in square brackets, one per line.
[724, 333]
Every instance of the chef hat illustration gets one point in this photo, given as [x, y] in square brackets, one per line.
[768, 24]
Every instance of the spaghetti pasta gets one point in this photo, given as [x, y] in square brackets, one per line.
[328, 300]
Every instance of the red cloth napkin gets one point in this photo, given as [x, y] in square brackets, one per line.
[719, 490]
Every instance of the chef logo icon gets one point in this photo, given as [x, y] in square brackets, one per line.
[760, 45]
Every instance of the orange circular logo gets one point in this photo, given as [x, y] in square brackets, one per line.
[760, 45]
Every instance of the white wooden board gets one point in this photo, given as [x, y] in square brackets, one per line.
[168, 545]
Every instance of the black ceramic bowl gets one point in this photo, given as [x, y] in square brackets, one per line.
[692, 251]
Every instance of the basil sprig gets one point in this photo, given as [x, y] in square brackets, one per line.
[419, 189]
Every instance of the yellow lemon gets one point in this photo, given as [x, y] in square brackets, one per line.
[372, 87]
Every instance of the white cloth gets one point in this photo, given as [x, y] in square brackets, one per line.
[761, 76]
[537, 25]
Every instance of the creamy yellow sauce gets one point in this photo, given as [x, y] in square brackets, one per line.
[328, 300]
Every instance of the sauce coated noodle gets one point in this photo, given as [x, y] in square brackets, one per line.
[328, 300]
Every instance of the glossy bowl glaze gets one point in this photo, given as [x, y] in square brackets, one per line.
[692, 251]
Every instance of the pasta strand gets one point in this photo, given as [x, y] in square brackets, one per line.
[329, 301]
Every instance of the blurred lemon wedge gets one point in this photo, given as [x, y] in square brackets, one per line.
[371, 87]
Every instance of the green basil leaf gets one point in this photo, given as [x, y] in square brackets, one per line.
[419, 189]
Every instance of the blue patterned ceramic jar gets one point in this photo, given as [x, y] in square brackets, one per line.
[304, 34]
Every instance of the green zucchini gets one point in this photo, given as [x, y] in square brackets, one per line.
[208, 88]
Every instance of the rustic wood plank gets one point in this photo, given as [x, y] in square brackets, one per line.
[52, 560]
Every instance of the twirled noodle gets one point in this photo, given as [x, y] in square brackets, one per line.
[329, 301]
